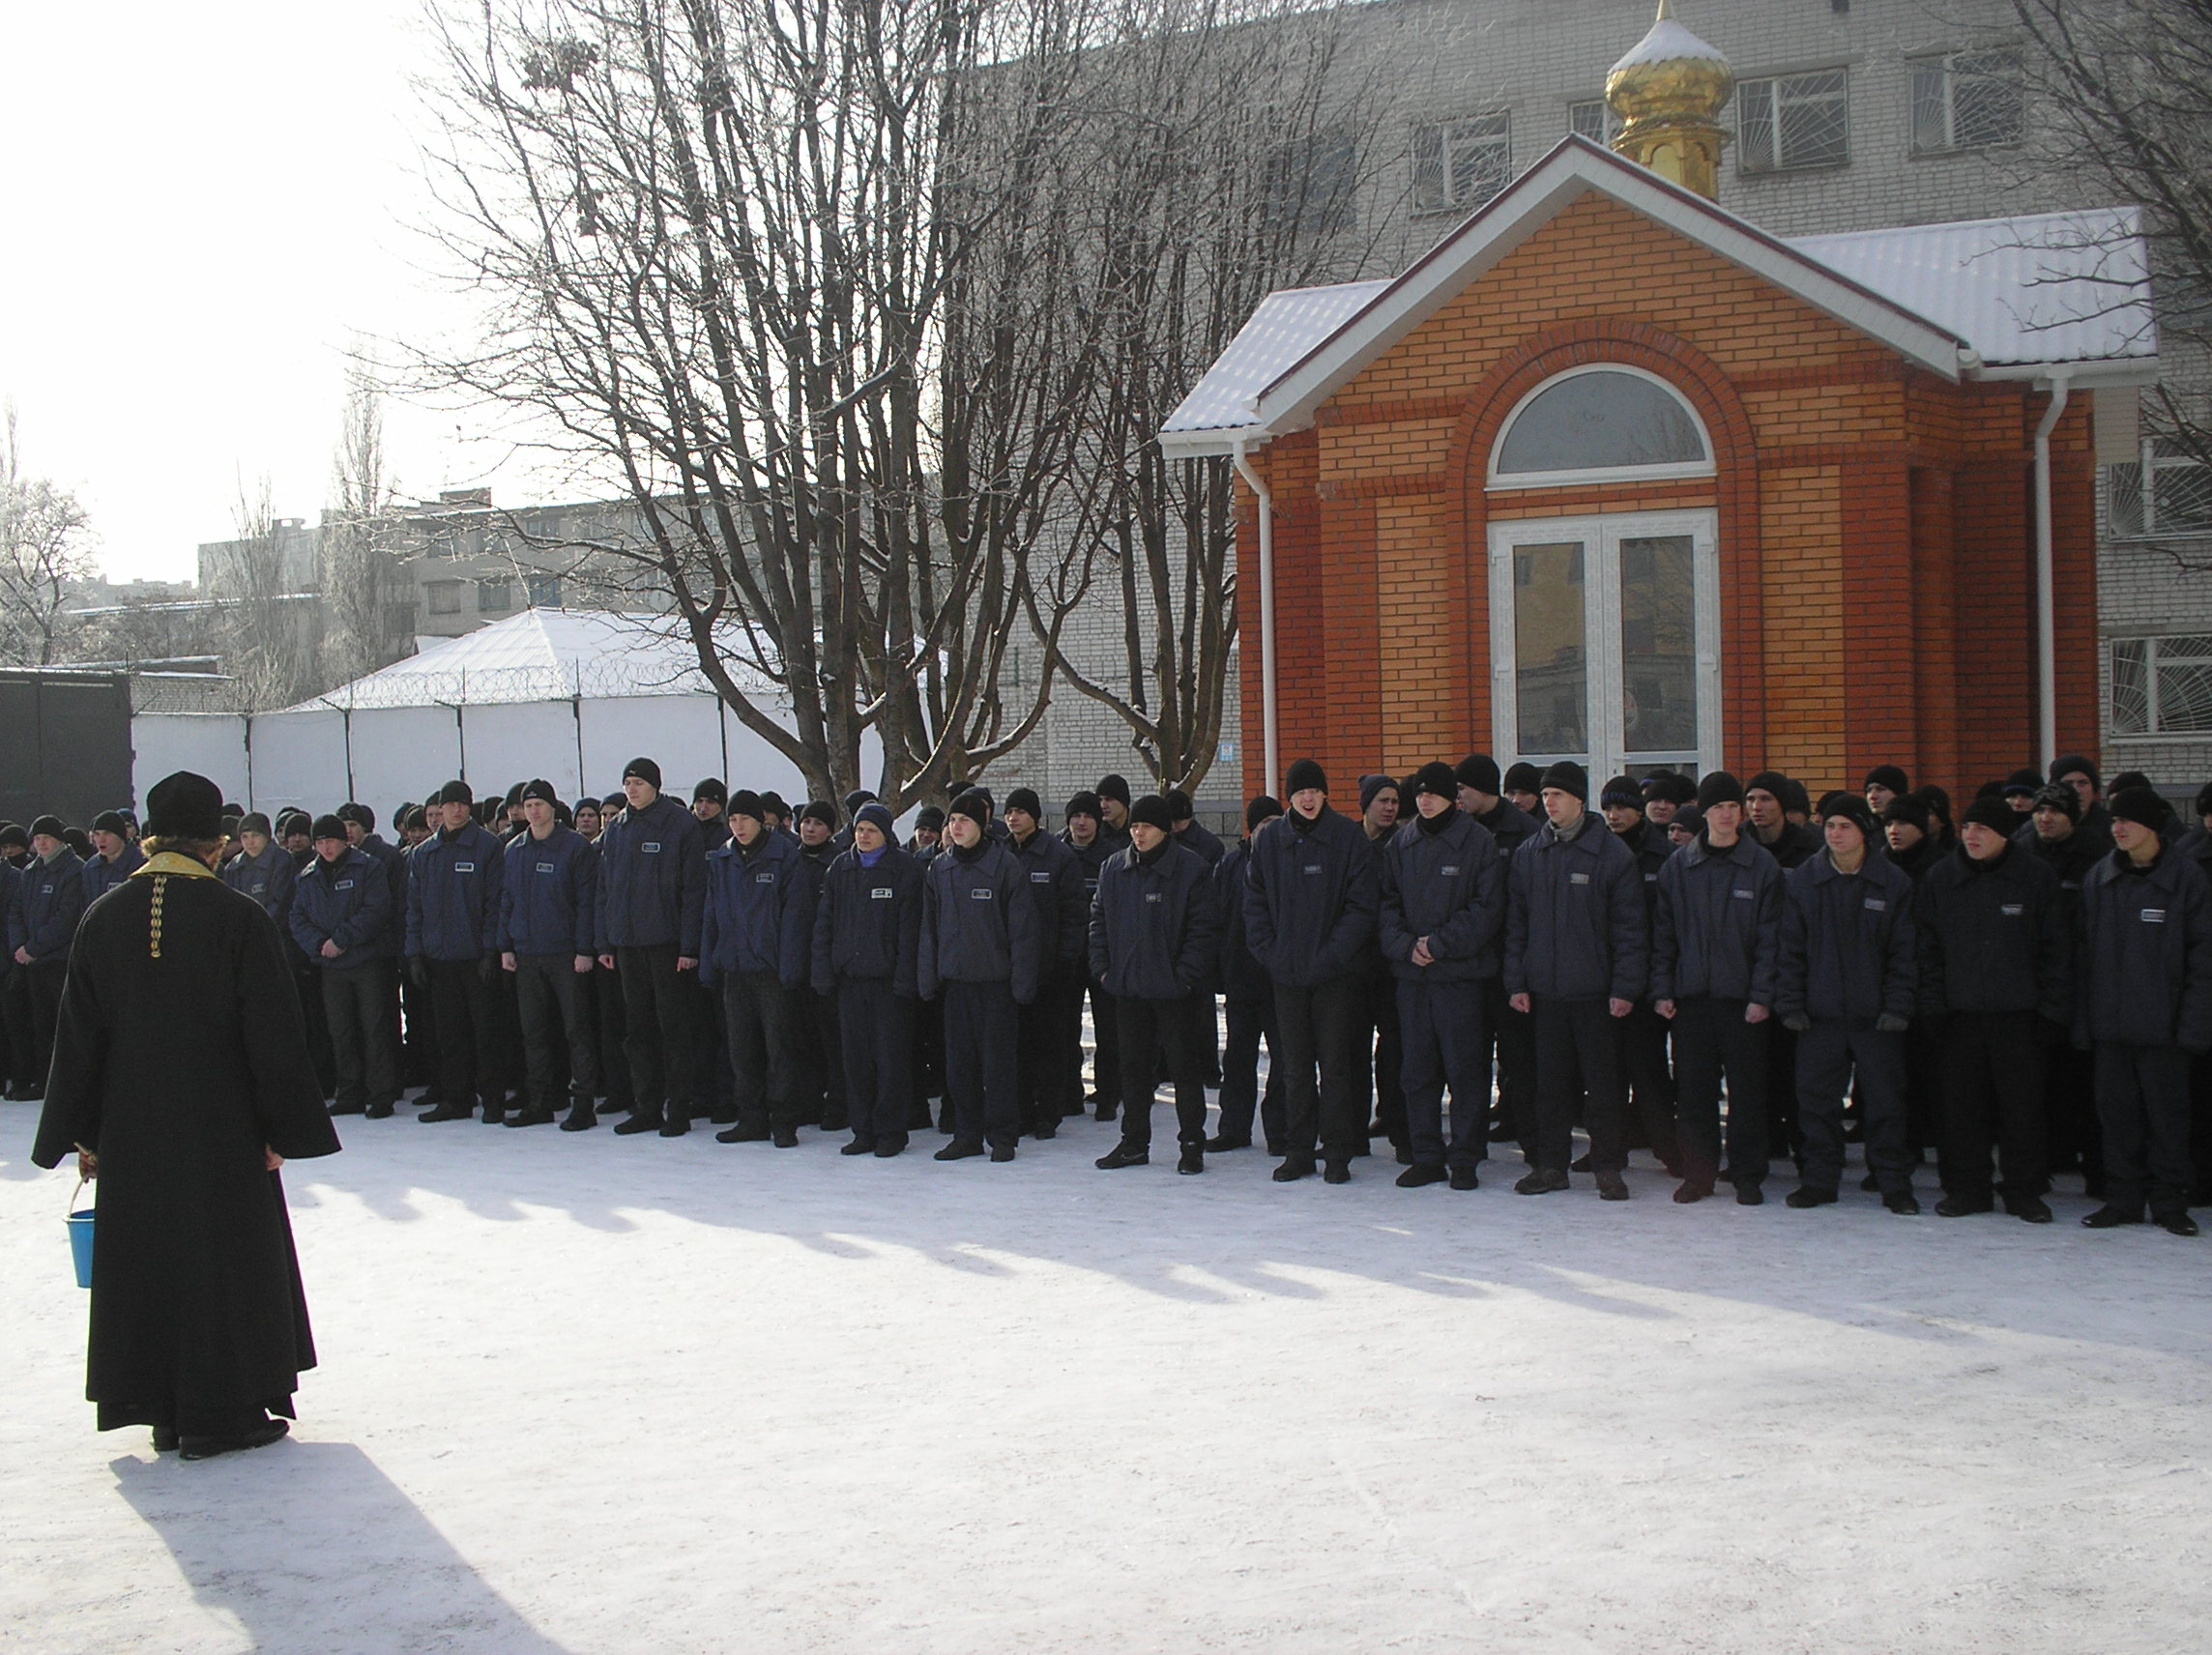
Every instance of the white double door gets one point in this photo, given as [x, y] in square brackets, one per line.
[1605, 642]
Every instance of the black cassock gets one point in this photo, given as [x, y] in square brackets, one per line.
[179, 1053]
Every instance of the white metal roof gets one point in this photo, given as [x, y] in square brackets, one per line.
[2066, 287]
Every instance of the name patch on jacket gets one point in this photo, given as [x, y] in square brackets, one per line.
[2154, 916]
[344, 885]
[1876, 905]
[1745, 895]
[1313, 867]
[764, 879]
[981, 893]
[1152, 896]
[548, 868]
[651, 848]
[2013, 910]
[881, 893]
[1577, 879]
[464, 867]
[1451, 870]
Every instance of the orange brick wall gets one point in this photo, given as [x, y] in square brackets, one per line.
[1875, 545]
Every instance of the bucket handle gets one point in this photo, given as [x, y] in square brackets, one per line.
[81, 1182]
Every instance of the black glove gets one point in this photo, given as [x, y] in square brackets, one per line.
[1889, 1023]
[1797, 1023]
[418, 970]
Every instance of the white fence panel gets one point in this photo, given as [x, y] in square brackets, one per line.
[211, 744]
[522, 742]
[299, 758]
[399, 753]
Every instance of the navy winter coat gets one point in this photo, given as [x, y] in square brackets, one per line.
[1449, 887]
[1848, 943]
[1154, 930]
[1716, 930]
[977, 927]
[867, 924]
[1995, 935]
[2071, 859]
[266, 877]
[759, 911]
[1052, 875]
[1510, 824]
[1241, 976]
[47, 905]
[1575, 927]
[347, 901]
[653, 879]
[1204, 843]
[2145, 954]
[550, 894]
[1311, 899]
[101, 876]
[1797, 844]
[456, 883]
[395, 862]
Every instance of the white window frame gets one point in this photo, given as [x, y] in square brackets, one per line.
[2149, 462]
[1748, 160]
[1601, 539]
[1662, 472]
[1946, 67]
[1490, 130]
[1608, 123]
[2153, 729]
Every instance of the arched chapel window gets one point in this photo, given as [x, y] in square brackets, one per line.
[1592, 424]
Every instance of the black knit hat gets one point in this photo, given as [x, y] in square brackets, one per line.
[711, 786]
[818, 810]
[1113, 787]
[773, 800]
[1891, 776]
[328, 827]
[455, 793]
[1993, 813]
[1671, 786]
[2074, 764]
[2146, 807]
[1081, 804]
[53, 826]
[929, 816]
[1568, 777]
[253, 822]
[1437, 777]
[2027, 781]
[183, 806]
[1718, 787]
[1769, 781]
[361, 815]
[1264, 807]
[2203, 800]
[1304, 774]
[542, 789]
[1688, 819]
[2129, 778]
[1621, 790]
[747, 802]
[873, 812]
[1795, 801]
[1522, 777]
[111, 822]
[646, 770]
[973, 805]
[2058, 796]
[1911, 810]
[1179, 806]
[858, 797]
[1853, 807]
[12, 833]
[1026, 798]
[1370, 786]
[1478, 771]
[1152, 810]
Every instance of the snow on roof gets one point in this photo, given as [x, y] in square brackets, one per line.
[2058, 287]
[544, 655]
[1282, 330]
[2055, 287]
[1668, 43]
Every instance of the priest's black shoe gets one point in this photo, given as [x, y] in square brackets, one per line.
[957, 1152]
[2111, 1217]
[1191, 1161]
[1125, 1155]
[1292, 1169]
[1421, 1176]
[447, 1112]
[634, 1124]
[1466, 1178]
[253, 1437]
[1541, 1180]
[1805, 1195]
[1905, 1203]
[1336, 1173]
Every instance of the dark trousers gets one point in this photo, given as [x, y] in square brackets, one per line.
[1383, 1057]
[609, 1032]
[759, 1015]
[1992, 1068]
[1105, 1043]
[556, 1008]
[1712, 1042]
[1513, 1035]
[419, 1045]
[1444, 1042]
[876, 1036]
[1249, 1021]
[1157, 1034]
[2143, 1096]
[658, 1008]
[825, 1053]
[308, 980]
[1651, 1083]
[2075, 1132]
[1782, 1132]
[364, 1046]
[43, 984]
[1828, 1055]
[2200, 1129]
[1067, 1036]
[981, 1025]
[1579, 1066]
[16, 1018]
[1048, 1062]
[467, 1017]
[1321, 1027]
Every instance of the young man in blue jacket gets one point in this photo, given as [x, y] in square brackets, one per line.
[1152, 935]
[116, 856]
[983, 951]
[1312, 889]
[1716, 943]
[42, 922]
[1086, 835]
[455, 881]
[1483, 795]
[1848, 987]
[1577, 958]
[261, 869]
[867, 942]
[1651, 1086]
[1250, 996]
[2145, 1003]
[1050, 1060]
[1443, 906]
[547, 910]
[651, 902]
[756, 947]
[340, 919]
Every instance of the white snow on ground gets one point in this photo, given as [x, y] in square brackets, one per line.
[591, 1394]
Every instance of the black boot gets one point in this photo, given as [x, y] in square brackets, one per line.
[1421, 1176]
[582, 1117]
[638, 1122]
[1124, 1155]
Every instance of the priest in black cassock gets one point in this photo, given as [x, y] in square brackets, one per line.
[181, 1079]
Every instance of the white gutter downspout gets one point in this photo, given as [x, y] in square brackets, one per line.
[1258, 486]
[2046, 600]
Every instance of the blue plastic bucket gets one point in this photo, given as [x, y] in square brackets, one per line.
[81, 1241]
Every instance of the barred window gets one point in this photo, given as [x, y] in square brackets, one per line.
[1458, 164]
[2162, 686]
[544, 592]
[1593, 120]
[444, 596]
[1968, 101]
[1793, 120]
[2178, 499]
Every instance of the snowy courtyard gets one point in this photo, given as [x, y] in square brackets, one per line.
[593, 1394]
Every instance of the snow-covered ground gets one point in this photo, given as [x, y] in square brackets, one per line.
[595, 1394]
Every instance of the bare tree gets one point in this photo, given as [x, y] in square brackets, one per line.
[792, 278]
[45, 549]
[268, 625]
[357, 563]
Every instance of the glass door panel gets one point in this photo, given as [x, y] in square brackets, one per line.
[1658, 644]
[1550, 654]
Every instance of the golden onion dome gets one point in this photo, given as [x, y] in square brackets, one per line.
[1670, 77]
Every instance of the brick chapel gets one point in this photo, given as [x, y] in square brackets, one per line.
[1610, 473]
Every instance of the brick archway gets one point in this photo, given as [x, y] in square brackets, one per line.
[1734, 490]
